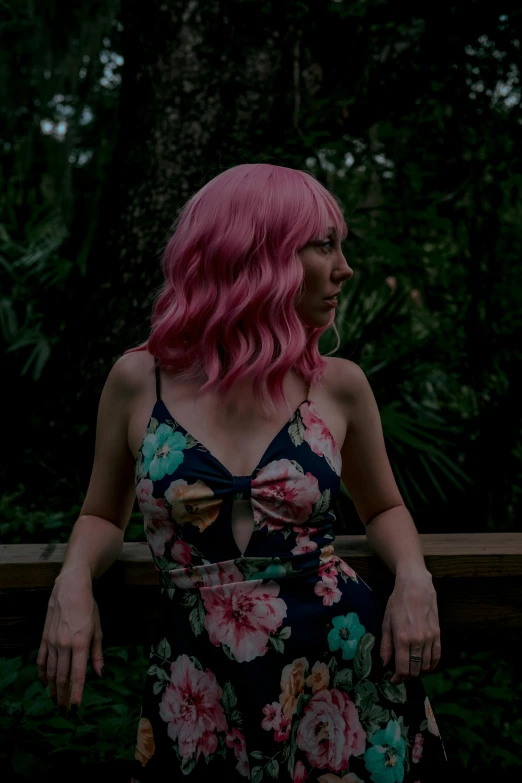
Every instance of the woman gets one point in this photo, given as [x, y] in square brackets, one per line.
[270, 659]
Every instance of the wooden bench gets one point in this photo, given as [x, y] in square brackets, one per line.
[478, 579]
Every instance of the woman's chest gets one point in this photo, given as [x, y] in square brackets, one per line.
[237, 443]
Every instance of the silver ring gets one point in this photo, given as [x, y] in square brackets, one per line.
[416, 658]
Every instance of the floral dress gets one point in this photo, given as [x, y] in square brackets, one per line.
[265, 666]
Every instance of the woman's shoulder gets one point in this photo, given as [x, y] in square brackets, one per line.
[346, 379]
[133, 369]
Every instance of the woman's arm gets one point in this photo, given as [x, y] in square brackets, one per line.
[411, 623]
[392, 535]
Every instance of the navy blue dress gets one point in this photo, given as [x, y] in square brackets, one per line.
[265, 666]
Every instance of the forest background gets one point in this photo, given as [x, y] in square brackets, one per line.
[113, 114]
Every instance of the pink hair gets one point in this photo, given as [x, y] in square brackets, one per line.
[232, 277]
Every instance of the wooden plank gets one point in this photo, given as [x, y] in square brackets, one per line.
[478, 579]
[448, 556]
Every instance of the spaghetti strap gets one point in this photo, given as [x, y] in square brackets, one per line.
[158, 395]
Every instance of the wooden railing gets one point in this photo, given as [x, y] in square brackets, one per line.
[478, 579]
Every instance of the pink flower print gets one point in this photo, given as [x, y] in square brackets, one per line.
[187, 578]
[346, 569]
[282, 728]
[181, 552]
[416, 752]
[242, 615]
[194, 504]
[328, 590]
[319, 437]
[328, 570]
[234, 739]
[304, 531]
[156, 519]
[272, 713]
[330, 730]
[300, 773]
[432, 723]
[191, 706]
[283, 495]
[206, 575]
[350, 777]
[304, 545]
[243, 767]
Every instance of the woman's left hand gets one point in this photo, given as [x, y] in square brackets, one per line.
[411, 624]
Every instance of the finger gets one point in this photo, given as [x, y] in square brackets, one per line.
[63, 673]
[415, 666]
[386, 643]
[402, 662]
[78, 672]
[435, 654]
[426, 657]
[97, 661]
[52, 657]
[41, 661]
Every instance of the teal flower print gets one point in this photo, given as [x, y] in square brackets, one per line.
[385, 760]
[163, 451]
[345, 634]
[271, 572]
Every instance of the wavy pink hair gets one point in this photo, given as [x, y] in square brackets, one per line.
[232, 277]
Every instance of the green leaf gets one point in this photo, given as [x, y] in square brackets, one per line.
[394, 693]
[362, 662]
[291, 764]
[163, 675]
[365, 696]
[189, 599]
[344, 679]
[272, 768]
[58, 722]
[187, 765]
[302, 701]
[257, 754]
[229, 698]
[285, 632]
[277, 643]
[197, 619]
[257, 774]
[376, 712]
[293, 745]
[163, 649]
[332, 666]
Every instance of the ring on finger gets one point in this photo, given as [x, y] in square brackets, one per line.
[415, 661]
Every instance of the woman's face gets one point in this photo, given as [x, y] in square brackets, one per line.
[325, 269]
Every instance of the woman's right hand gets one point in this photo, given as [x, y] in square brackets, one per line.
[72, 627]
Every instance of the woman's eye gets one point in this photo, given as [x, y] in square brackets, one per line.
[329, 242]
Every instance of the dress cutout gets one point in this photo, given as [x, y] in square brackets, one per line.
[265, 666]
